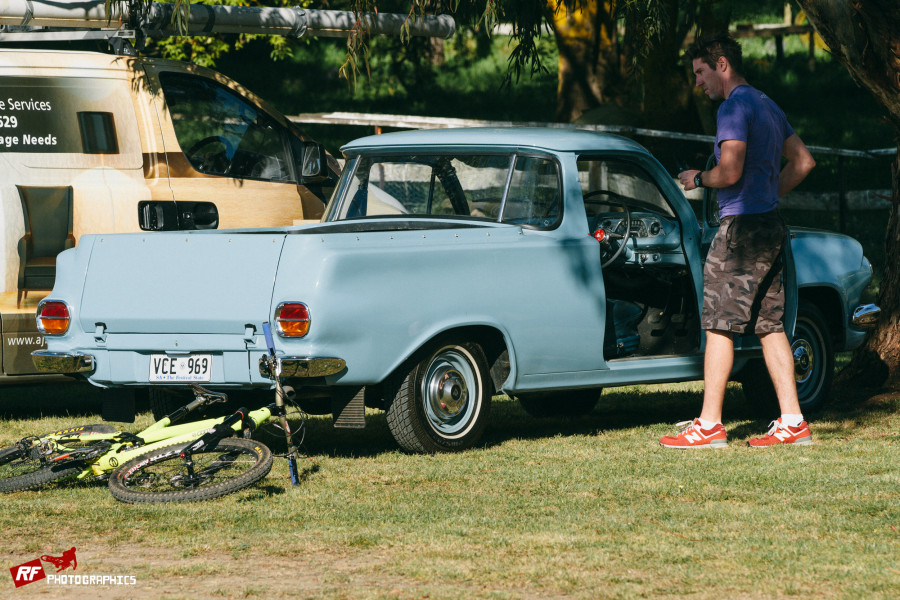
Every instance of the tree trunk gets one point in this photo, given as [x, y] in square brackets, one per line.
[588, 58]
[864, 35]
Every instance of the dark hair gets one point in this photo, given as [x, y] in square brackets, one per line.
[710, 48]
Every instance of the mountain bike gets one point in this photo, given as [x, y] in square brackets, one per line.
[168, 461]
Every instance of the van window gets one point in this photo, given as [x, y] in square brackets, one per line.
[38, 114]
[98, 133]
[221, 133]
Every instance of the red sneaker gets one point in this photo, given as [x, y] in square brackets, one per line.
[784, 434]
[690, 435]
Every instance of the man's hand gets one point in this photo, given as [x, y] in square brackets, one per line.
[726, 173]
[687, 179]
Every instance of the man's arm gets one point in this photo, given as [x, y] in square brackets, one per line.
[726, 173]
[799, 163]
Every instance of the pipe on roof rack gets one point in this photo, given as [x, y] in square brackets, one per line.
[207, 19]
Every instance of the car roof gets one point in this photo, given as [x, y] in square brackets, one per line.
[546, 138]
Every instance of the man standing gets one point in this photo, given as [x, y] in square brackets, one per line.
[742, 279]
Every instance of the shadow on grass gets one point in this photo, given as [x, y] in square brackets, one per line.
[617, 409]
[508, 421]
[76, 399]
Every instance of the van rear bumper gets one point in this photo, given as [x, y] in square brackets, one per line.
[46, 361]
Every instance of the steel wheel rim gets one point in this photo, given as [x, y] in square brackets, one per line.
[806, 350]
[451, 393]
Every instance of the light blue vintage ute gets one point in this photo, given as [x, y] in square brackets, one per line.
[450, 265]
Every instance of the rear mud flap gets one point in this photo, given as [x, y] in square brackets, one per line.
[348, 407]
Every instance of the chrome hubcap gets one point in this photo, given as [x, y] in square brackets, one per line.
[804, 358]
[450, 392]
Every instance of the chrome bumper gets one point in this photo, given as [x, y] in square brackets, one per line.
[62, 362]
[304, 366]
[866, 316]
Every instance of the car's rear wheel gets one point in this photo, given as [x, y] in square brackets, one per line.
[443, 401]
[573, 403]
[813, 367]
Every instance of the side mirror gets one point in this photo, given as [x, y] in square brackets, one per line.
[313, 163]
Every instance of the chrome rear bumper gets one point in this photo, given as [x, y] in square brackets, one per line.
[62, 362]
[305, 366]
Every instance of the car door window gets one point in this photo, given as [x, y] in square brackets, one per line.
[221, 133]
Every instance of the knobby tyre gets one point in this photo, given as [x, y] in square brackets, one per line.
[227, 466]
[442, 402]
[19, 471]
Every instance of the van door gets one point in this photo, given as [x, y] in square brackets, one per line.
[71, 164]
[231, 163]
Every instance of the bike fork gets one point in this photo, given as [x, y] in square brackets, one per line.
[275, 372]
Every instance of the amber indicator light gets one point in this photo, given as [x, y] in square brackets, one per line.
[53, 318]
[292, 319]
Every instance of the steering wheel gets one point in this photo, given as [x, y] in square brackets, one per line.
[209, 161]
[612, 244]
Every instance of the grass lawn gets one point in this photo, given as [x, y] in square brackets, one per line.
[589, 508]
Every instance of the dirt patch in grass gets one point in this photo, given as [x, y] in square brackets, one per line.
[159, 574]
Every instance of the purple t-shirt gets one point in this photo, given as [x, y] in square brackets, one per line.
[750, 116]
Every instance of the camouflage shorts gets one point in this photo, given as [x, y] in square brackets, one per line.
[742, 279]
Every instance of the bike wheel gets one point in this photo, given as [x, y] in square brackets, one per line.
[225, 467]
[19, 470]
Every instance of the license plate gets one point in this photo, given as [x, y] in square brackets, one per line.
[195, 367]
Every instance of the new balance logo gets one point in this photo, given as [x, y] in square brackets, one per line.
[782, 434]
[693, 437]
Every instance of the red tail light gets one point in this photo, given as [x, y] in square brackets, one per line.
[53, 317]
[292, 319]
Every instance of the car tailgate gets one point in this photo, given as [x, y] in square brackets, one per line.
[210, 283]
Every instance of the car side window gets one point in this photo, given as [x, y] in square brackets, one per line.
[607, 183]
[436, 185]
[221, 133]
[534, 194]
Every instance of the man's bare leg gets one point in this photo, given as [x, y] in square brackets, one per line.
[717, 362]
[780, 363]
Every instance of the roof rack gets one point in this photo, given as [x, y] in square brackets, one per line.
[37, 20]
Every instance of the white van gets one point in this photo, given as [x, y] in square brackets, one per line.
[94, 143]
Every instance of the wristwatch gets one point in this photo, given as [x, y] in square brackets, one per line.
[698, 180]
